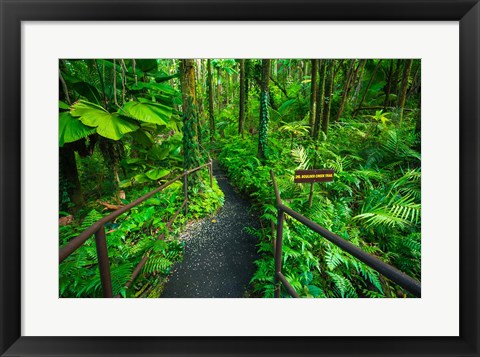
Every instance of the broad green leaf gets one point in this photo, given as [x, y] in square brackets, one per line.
[86, 90]
[163, 77]
[142, 178]
[149, 126]
[133, 160]
[176, 150]
[154, 202]
[142, 137]
[71, 129]
[147, 65]
[147, 112]
[159, 152]
[155, 174]
[63, 105]
[160, 87]
[125, 183]
[108, 125]
[315, 291]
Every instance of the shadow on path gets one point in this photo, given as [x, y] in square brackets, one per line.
[218, 260]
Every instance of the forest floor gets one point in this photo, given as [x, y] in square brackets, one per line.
[219, 253]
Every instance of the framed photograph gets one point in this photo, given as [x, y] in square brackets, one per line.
[325, 151]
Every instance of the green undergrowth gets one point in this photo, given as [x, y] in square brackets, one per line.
[131, 236]
[373, 202]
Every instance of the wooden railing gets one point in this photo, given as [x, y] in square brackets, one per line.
[98, 229]
[372, 261]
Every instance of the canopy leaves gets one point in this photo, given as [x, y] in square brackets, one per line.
[108, 125]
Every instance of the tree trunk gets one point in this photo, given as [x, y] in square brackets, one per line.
[358, 79]
[241, 115]
[219, 90]
[210, 100]
[190, 136]
[247, 89]
[68, 171]
[199, 94]
[310, 196]
[264, 115]
[415, 79]
[226, 89]
[346, 86]
[394, 83]
[328, 94]
[313, 95]
[368, 87]
[275, 69]
[388, 86]
[352, 78]
[320, 100]
[403, 91]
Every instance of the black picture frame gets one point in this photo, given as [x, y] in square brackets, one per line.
[467, 12]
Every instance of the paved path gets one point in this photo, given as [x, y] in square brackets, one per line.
[218, 260]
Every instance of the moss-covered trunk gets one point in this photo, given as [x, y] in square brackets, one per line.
[313, 95]
[210, 100]
[320, 99]
[264, 115]
[241, 114]
[329, 76]
[69, 175]
[403, 91]
[190, 136]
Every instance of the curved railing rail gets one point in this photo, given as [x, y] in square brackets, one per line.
[372, 261]
[98, 229]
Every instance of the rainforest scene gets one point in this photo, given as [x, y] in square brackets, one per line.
[193, 178]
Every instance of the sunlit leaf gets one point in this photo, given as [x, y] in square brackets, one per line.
[147, 112]
[108, 125]
[155, 174]
[71, 129]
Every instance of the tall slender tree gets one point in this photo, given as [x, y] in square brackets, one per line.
[199, 94]
[330, 76]
[320, 100]
[403, 91]
[190, 137]
[69, 175]
[313, 94]
[264, 115]
[388, 85]
[350, 80]
[368, 87]
[392, 84]
[241, 114]
[248, 71]
[210, 99]
[68, 165]
[346, 85]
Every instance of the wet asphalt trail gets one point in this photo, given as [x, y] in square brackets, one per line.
[218, 260]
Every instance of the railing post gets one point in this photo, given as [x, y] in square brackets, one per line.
[103, 262]
[185, 190]
[210, 171]
[278, 251]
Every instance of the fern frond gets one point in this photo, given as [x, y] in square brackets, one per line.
[300, 157]
[157, 264]
[342, 286]
[398, 212]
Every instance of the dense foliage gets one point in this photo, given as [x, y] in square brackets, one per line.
[127, 125]
[374, 200]
[120, 132]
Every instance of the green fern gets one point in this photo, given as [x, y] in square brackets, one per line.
[342, 287]
[157, 264]
[398, 211]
